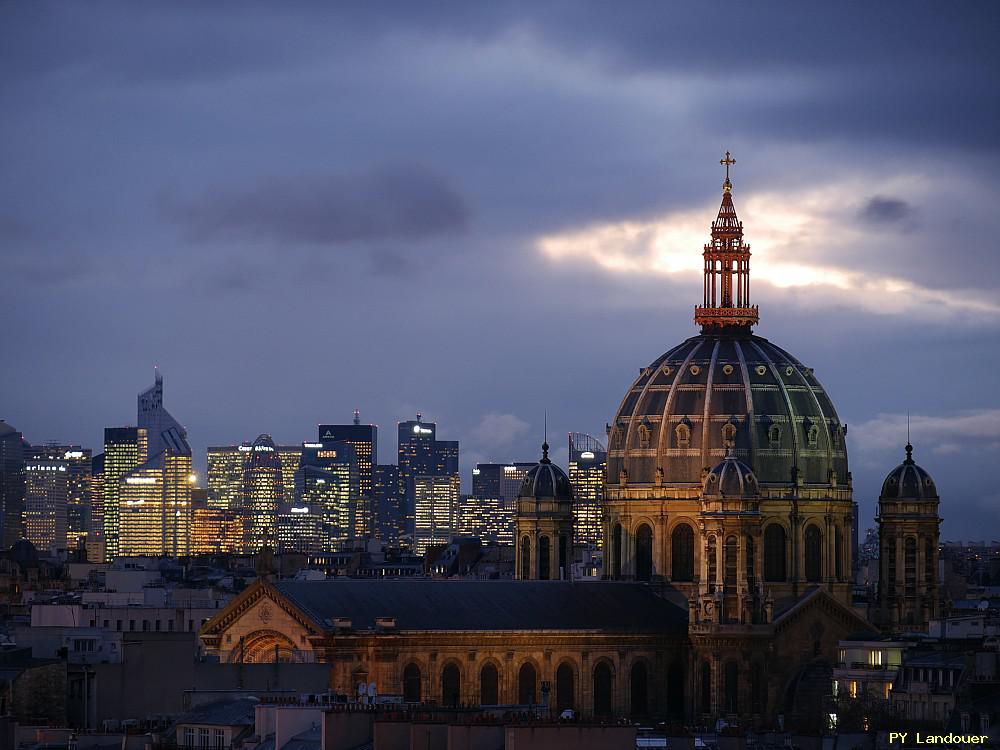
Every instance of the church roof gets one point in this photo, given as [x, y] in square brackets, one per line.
[487, 605]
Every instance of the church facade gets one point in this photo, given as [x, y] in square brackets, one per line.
[728, 552]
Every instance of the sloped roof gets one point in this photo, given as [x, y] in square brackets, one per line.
[239, 712]
[487, 605]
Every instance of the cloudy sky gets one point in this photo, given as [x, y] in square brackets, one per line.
[487, 211]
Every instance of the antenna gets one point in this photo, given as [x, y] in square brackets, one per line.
[907, 425]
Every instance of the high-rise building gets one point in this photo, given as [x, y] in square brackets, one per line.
[489, 512]
[213, 530]
[436, 502]
[290, 457]
[420, 453]
[125, 448]
[263, 495]
[363, 438]
[79, 501]
[389, 514]
[11, 484]
[154, 499]
[588, 465]
[46, 476]
[328, 484]
[226, 464]
[95, 533]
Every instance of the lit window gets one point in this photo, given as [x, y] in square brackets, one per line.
[854, 688]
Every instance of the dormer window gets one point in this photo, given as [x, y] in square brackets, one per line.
[644, 433]
[683, 434]
[774, 436]
[729, 435]
[813, 436]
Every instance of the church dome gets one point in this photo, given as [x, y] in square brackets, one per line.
[726, 389]
[546, 480]
[908, 481]
[731, 478]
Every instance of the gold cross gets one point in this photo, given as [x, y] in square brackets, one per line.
[727, 162]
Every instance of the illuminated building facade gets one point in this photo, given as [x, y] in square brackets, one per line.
[436, 501]
[544, 523]
[11, 484]
[262, 496]
[588, 464]
[125, 448]
[226, 464]
[420, 453]
[301, 529]
[489, 512]
[95, 532]
[328, 483]
[46, 489]
[290, 457]
[389, 514]
[363, 438]
[213, 530]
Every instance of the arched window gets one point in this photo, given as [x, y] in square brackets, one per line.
[813, 436]
[616, 551]
[774, 436]
[526, 685]
[565, 697]
[675, 688]
[451, 685]
[525, 558]
[644, 434]
[838, 553]
[731, 687]
[774, 553]
[639, 689]
[489, 685]
[889, 565]
[706, 687]
[757, 688]
[729, 568]
[563, 555]
[644, 553]
[602, 690]
[682, 553]
[411, 683]
[814, 554]
[683, 435]
[543, 558]
[711, 555]
[729, 434]
[910, 564]
[929, 566]
[751, 561]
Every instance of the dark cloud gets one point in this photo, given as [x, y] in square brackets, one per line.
[402, 203]
[885, 210]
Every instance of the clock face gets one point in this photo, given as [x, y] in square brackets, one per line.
[265, 613]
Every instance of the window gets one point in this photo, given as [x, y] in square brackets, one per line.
[706, 687]
[563, 555]
[411, 683]
[616, 551]
[774, 553]
[525, 558]
[543, 558]
[564, 688]
[910, 564]
[875, 658]
[729, 571]
[731, 686]
[683, 435]
[728, 435]
[814, 554]
[682, 553]
[644, 553]
[526, 685]
[639, 689]
[853, 688]
[602, 690]
[751, 564]
[838, 553]
[220, 738]
[489, 682]
[644, 434]
[929, 560]
[203, 737]
[189, 736]
[774, 436]
[451, 686]
[813, 436]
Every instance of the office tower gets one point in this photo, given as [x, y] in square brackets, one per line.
[213, 530]
[435, 503]
[300, 529]
[262, 496]
[327, 482]
[95, 533]
[11, 484]
[226, 464]
[420, 453]
[79, 501]
[588, 463]
[364, 439]
[388, 504]
[489, 512]
[125, 448]
[290, 457]
[154, 503]
[46, 482]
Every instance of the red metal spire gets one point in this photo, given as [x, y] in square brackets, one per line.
[727, 269]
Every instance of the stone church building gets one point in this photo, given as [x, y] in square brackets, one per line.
[728, 555]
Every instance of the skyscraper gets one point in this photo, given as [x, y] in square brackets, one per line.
[489, 512]
[226, 464]
[389, 526]
[422, 454]
[11, 484]
[79, 502]
[46, 476]
[436, 501]
[327, 483]
[125, 448]
[262, 496]
[588, 463]
[363, 438]
[95, 532]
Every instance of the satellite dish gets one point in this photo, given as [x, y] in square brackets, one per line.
[362, 688]
[371, 689]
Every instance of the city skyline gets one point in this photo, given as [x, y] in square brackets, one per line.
[454, 211]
